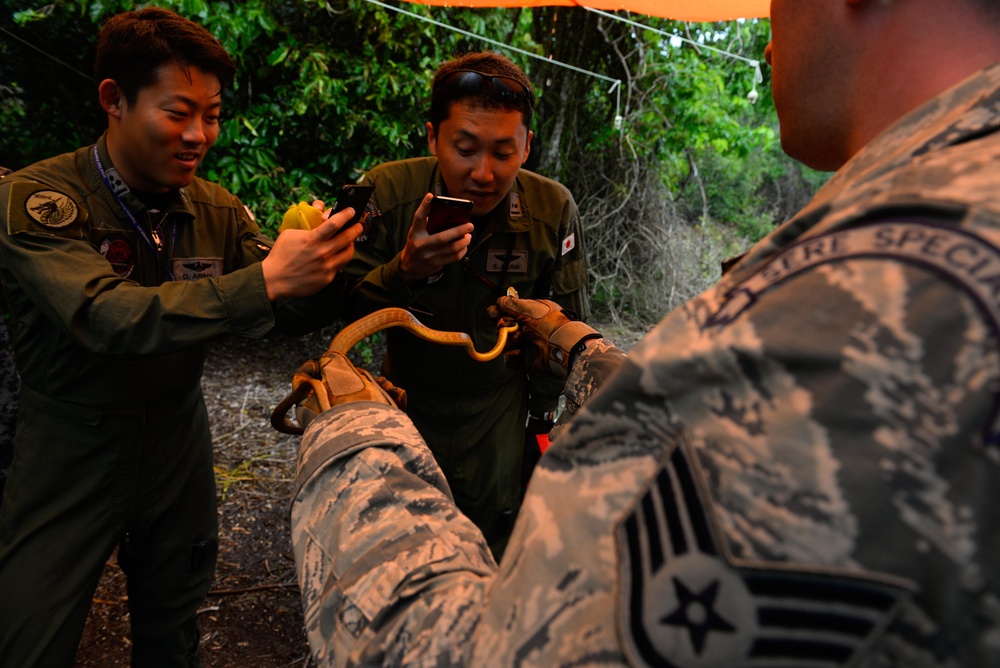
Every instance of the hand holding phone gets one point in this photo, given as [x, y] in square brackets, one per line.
[447, 212]
[354, 196]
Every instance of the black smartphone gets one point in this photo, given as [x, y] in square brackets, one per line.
[354, 196]
[448, 212]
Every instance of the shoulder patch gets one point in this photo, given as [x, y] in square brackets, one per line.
[959, 255]
[34, 207]
[685, 602]
[569, 243]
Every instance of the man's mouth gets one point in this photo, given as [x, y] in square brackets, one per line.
[190, 158]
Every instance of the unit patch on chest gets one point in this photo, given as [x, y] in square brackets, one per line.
[117, 250]
[516, 261]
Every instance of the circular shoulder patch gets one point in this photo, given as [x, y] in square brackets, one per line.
[51, 208]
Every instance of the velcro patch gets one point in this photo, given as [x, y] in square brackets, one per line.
[685, 601]
[37, 208]
[569, 243]
[194, 268]
[516, 261]
[968, 259]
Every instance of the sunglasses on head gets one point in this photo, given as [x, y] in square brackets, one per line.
[504, 87]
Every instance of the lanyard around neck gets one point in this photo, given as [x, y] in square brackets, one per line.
[135, 223]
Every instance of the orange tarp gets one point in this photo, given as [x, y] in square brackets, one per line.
[683, 10]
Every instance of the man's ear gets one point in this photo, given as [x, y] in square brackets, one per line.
[527, 147]
[431, 138]
[110, 97]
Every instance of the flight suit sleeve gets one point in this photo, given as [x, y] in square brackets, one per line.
[390, 571]
[73, 285]
[373, 275]
[569, 289]
[569, 275]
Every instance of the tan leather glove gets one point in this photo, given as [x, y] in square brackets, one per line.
[332, 380]
[548, 334]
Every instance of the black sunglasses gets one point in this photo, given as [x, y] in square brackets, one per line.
[504, 87]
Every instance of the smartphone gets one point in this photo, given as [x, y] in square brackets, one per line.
[354, 196]
[447, 212]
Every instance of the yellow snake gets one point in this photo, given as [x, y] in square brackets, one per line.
[359, 330]
[386, 318]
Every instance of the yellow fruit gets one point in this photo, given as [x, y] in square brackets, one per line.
[300, 216]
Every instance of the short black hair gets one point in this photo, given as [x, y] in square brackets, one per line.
[990, 8]
[133, 45]
[487, 63]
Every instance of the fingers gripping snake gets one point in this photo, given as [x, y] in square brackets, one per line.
[360, 329]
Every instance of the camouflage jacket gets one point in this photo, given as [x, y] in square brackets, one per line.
[796, 468]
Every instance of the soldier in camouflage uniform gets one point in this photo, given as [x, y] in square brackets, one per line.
[797, 468]
[526, 234]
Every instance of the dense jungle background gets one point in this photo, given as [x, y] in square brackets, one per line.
[649, 122]
[690, 173]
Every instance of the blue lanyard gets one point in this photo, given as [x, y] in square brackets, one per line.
[135, 223]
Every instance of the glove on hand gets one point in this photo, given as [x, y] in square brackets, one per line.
[330, 381]
[548, 333]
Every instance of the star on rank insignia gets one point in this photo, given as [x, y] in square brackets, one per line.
[684, 602]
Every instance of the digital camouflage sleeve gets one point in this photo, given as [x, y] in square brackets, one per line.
[796, 468]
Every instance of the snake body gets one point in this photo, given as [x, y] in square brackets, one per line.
[386, 318]
[359, 330]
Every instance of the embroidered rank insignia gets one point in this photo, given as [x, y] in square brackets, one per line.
[117, 183]
[515, 205]
[569, 243]
[684, 602]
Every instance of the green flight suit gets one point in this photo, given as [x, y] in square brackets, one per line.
[113, 446]
[472, 414]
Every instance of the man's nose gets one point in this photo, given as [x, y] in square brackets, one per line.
[483, 170]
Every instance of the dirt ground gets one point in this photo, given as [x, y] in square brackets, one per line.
[253, 616]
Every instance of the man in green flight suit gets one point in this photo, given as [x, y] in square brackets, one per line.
[525, 233]
[119, 266]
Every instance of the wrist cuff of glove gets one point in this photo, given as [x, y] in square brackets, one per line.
[563, 343]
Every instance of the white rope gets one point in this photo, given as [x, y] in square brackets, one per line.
[758, 77]
[615, 86]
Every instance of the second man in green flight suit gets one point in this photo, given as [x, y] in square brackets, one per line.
[525, 233]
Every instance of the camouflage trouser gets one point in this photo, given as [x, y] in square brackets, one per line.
[9, 389]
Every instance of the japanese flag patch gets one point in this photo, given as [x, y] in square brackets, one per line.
[569, 243]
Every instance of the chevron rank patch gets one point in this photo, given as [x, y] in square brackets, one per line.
[684, 602]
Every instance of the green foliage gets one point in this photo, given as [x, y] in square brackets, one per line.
[326, 90]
